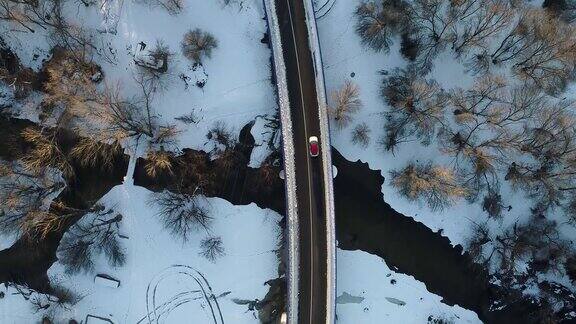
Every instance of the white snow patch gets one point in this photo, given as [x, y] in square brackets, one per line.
[261, 136]
[361, 274]
[161, 271]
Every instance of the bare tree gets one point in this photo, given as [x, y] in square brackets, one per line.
[70, 87]
[346, 102]
[47, 15]
[550, 141]
[488, 117]
[482, 20]
[95, 152]
[416, 108]
[198, 44]
[188, 119]
[570, 210]
[212, 248]
[563, 9]
[74, 38]
[492, 204]
[21, 81]
[154, 65]
[361, 135]
[221, 136]
[173, 7]
[542, 49]
[570, 267]
[537, 242]
[230, 3]
[267, 175]
[128, 117]
[14, 11]
[25, 196]
[433, 184]
[378, 21]
[432, 28]
[182, 214]
[409, 47]
[38, 224]
[96, 233]
[165, 136]
[28, 15]
[477, 241]
[45, 152]
[58, 296]
[225, 146]
[159, 163]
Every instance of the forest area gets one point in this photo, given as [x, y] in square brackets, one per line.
[484, 90]
[82, 111]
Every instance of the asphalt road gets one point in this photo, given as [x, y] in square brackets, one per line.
[309, 176]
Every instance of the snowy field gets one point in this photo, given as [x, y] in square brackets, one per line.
[165, 280]
[344, 55]
[345, 58]
[359, 273]
[236, 78]
[369, 292]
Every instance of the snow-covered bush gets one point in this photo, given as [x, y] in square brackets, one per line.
[182, 214]
[417, 108]
[159, 163]
[378, 21]
[361, 135]
[435, 185]
[212, 248]
[345, 103]
[198, 44]
[173, 7]
[96, 233]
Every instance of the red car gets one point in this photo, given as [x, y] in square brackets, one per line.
[313, 146]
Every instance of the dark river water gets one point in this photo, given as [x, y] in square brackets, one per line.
[364, 221]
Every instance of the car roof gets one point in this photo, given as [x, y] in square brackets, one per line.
[313, 138]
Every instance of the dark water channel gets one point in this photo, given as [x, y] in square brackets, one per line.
[27, 261]
[364, 221]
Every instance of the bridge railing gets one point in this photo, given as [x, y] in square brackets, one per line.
[292, 272]
[326, 158]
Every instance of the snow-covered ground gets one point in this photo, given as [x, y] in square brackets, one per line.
[238, 84]
[361, 274]
[237, 75]
[165, 278]
[343, 56]
[369, 292]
